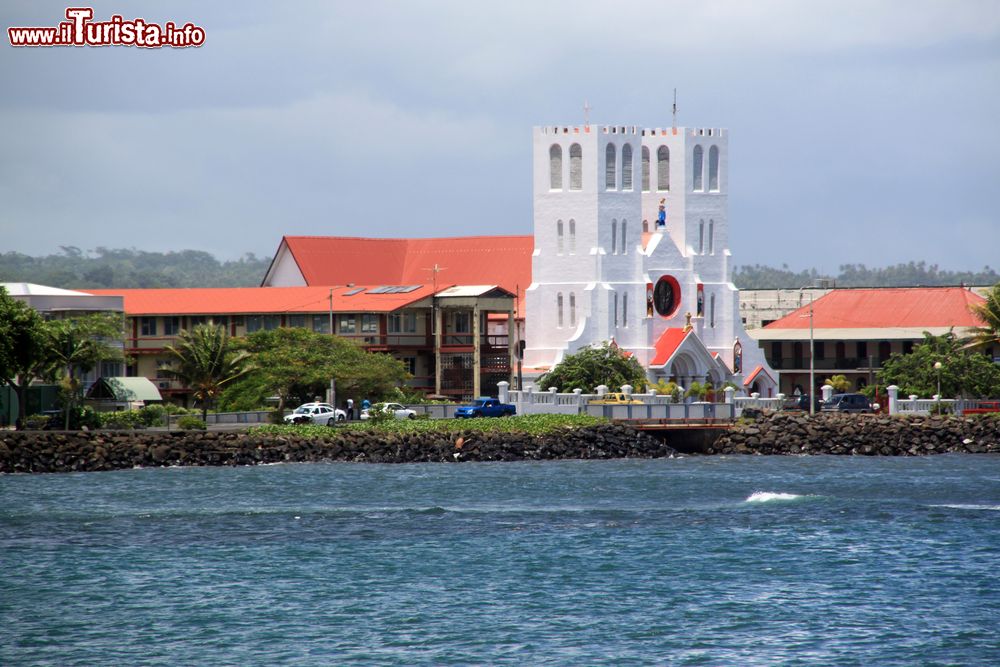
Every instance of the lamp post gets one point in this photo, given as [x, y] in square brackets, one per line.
[937, 367]
[331, 311]
[812, 362]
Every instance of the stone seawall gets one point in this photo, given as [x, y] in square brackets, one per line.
[54, 451]
[867, 435]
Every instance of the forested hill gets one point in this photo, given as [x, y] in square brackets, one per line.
[911, 274]
[106, 267]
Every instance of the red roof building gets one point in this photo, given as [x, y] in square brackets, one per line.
[855, 330]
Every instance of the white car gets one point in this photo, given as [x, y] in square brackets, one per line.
[398, 411]
[316, 413]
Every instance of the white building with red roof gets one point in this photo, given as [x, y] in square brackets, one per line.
[608, 266]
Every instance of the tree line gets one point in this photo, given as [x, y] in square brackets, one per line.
[104, 268]
[909, 274]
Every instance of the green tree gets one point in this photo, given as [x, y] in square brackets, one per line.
[77, 345]
[295, 364]
[962, 373]
[204, 360]
[988, 335]
[593, 366]
[840, 383]
[25, 352]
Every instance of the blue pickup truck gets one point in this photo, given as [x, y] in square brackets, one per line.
[484, 406]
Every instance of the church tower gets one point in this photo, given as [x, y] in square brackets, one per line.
[608, 265]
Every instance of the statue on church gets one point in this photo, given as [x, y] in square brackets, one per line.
[661, 215]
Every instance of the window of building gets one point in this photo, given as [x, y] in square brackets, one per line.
[615, 299]
[369, 323]
[403, 322]
[559, 310]
[662, 168]
[572, 309]
[147, 326]
[713, 169]
[698, 167]
[625, 309]
[555, 167]
[321, 324]
[644, 158]
[347, 324]
[575, 167]
[701, 237]
[776, 354]
[171, 326]
[840, 350]
[271, 322]
[624, 237]
[254, 323]
[610, 167]
[197, 320]
[410, 363]
[711, 311]
[627, 167]
[614, 236]
[797, 355]
[297, 321]
[220, 320]
[111, 369]
[711, 237]
[819, 349]
[559, 237]
[462, 322]
[884, 351]
[862, 350]
[572, 237]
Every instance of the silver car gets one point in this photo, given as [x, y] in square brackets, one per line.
[316, 413]
[397, 410]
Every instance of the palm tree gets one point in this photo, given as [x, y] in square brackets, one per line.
[987, 335]
[203, 361]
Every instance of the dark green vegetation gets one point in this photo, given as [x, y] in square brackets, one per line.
[297, 365]
[131, 268]
[203, 360]
[989, 312]
[527, 424]
[910, 274]
[59, 350]
[963, 372]
[594, 366]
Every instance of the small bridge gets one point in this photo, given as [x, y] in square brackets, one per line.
[685, 435]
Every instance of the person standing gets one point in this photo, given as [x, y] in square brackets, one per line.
[350, 409]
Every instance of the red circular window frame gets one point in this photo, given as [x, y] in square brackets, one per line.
[675, 287]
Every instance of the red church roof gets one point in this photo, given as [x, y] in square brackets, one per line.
[258, 300]
[465, 260]
[903, 307]
[667, 344]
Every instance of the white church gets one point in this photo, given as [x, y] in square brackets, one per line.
[631, 245]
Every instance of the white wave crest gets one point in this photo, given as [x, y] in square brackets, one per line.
[993, 508]
[768, 496]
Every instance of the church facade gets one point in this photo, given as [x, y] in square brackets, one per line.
[631, 245]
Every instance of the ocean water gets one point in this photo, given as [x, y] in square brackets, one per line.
[688, 561]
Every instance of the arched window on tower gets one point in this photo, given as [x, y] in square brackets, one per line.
[645, 168]
[627, 167]
[572, 237]
[701, 237]
[614, 236]
[559, 309]
[555, 167]
[616, 309]
[713, 169]
[575, 167]
[711, 237]
[624, 237]
[711, 311]
[625, 310]
[698, 162]
[559, 237]
[662, 168]
[572, 309]
[610, 167]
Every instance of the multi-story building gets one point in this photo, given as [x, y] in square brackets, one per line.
[854, 331]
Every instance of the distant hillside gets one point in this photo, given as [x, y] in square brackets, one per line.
[107, 267]
[858, 275]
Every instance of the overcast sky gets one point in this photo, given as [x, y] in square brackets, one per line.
[861, 131]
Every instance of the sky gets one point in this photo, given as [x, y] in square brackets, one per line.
[860, 131]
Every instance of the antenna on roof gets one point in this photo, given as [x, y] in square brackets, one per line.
[586, 113]
[435, 270]
[675, 111]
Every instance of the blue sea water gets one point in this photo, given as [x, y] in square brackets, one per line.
[688, 561]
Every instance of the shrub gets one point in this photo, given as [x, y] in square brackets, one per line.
[121, 420]
[191, 423]
[36, 422]
[152, 415]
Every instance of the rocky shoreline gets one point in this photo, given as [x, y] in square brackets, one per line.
[791, 433]
[776, 434]
[55, 451]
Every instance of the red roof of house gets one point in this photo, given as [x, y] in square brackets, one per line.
[753, 376]
[243, 300]
[886, 307]
[667, 344]
[464, 260]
